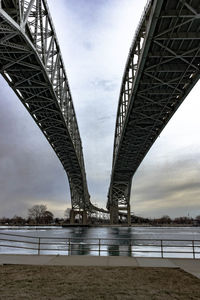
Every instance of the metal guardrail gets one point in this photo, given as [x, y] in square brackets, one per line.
[101, 246]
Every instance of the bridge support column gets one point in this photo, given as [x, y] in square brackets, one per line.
[84, 217]
[129, 215]
[114, 215]
[72, 216]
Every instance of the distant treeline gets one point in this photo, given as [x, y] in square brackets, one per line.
[39, 215]
[166, 220]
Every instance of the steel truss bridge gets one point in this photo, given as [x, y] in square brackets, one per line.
[32, 64]
[162, 67]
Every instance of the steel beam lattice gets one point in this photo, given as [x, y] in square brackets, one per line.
[162, 67]
[31, 63]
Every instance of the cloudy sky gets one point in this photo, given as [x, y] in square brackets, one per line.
[95, 37]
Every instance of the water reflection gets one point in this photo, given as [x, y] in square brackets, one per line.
[78, 241]
[79, 249]
[116, 241]
[103, 241]
[113, 250]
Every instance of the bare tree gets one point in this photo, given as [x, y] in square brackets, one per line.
[48, 217]
[37, 213]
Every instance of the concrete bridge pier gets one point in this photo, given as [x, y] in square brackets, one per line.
[84, 217]
[129, 215]
[72, 216]
[114, 215]
[82, 213]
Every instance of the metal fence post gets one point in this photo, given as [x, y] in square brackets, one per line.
[193, 249]
[39, 246]
[99, 247]
[161, 245]
[69, 246]
[130, 249]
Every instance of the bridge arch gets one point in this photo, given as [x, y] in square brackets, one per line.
[32, 64]
[162, 67]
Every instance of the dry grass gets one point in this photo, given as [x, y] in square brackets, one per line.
[59, 282]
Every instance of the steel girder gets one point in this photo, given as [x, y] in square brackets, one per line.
[31, 63]
[162, 67]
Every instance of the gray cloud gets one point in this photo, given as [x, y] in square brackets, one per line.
[168, 187]
[106, 85]
[29, 169]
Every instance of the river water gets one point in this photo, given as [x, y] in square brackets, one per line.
[127, 241]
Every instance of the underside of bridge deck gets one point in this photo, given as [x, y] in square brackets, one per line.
[162, 67]
[32, 64]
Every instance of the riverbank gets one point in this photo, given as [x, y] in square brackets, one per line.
[38, 227]
[96, 282]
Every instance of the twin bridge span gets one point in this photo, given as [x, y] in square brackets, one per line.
[162, 67]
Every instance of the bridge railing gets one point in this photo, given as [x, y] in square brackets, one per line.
[163, 248]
